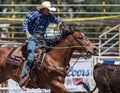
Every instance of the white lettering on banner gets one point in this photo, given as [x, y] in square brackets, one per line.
[81, 71]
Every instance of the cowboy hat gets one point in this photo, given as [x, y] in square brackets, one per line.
[46, 4]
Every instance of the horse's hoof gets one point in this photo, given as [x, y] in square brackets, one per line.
[24, 88]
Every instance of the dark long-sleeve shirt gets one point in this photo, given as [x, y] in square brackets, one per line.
[36, 23]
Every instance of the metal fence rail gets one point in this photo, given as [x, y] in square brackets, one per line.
[101, 13]
[55, 5]
[64, 5]
[102, 44]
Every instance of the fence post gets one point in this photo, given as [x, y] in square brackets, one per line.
[13, 16]
[119, 38]
[104, 11]
[58, 10]
[105, 29]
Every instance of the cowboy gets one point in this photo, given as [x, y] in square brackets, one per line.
[35, 25]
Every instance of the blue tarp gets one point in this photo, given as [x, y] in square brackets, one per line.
[109, 61]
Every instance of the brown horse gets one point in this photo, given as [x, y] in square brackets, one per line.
[53, 69]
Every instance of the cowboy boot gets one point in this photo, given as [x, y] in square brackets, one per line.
[23, 83]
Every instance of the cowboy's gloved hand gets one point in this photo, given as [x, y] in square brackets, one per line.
[29, 36]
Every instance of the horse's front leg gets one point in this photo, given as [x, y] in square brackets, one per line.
[3, 79]
[3, 75]
[57, 87]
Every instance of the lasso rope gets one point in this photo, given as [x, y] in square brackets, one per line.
[50, 47]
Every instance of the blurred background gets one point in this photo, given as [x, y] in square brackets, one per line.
[97, 19]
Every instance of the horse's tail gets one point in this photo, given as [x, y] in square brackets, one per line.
[87, 87]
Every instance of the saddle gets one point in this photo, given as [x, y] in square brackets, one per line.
[18, 55]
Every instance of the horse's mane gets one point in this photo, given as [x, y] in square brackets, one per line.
[65, 33]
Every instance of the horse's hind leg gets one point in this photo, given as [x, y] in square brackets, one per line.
[58, 87]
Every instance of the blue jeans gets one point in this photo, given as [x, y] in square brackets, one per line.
[30, 55]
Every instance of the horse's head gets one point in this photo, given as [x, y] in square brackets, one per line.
[81, 43]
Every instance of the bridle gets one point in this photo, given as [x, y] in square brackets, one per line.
[78, 39]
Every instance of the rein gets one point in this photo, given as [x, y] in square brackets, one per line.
[69, 69]
[65, 47]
